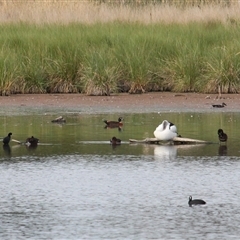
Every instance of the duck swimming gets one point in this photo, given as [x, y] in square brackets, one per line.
[222, 136]
[165, 131]
[219, 105]
[32, 141]
[114, 124]
[195, 201]
[7, 139]
[115, 141]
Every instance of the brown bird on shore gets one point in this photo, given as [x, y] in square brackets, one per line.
[114, 124]
[219, 105]
[222, 136]
[115, 141]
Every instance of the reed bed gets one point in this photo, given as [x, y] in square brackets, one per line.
[99, 49]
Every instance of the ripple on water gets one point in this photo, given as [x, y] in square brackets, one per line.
[116, 196]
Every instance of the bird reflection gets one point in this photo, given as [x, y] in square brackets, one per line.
[119, 128]
[31, 147]
[222, 150]
[7, 149]
[165, 152]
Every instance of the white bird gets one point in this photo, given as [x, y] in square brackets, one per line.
[165, 131]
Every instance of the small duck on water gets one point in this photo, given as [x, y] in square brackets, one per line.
[219, 105]
[115, 141]
[195, 201]
[114, 124]
[222, 136]
[32, 141]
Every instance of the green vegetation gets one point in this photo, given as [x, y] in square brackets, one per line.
[120, 55]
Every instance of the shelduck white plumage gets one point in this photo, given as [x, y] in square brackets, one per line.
[165, 131]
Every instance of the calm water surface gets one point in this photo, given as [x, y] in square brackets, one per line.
[74, 185]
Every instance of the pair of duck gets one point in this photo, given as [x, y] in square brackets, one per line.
[31, 141]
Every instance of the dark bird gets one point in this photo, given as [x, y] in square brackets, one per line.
[32, 141]
[114, 124]
[195, 201]
[115, 141]
[59, 120]
[219, 105]
[222, 136]
[7, 139]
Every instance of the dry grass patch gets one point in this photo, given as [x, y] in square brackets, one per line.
[88, 12]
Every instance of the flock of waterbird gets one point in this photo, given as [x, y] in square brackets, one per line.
[166, 131]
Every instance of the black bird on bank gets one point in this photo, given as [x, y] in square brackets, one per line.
[195, 201]
[222, 136]
[7, 139]
[219, 105]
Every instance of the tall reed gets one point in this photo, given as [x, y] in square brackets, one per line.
[99, 49]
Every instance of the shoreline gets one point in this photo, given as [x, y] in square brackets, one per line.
[22, 104]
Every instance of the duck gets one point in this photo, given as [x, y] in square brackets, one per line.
[59, 120]
[115, 141]
[32, 141]
[195, 201]
[219, 105]
[165, 131]
[222, 136]
[7, 139]
[114, 124]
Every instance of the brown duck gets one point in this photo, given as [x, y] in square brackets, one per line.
[114, 124]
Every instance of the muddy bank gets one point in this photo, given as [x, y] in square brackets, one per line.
[121, 103]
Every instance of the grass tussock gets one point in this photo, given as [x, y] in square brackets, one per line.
[132, 46]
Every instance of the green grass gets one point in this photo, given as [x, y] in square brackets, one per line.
[105, 58]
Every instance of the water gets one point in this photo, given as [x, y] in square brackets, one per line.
[76, 186]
